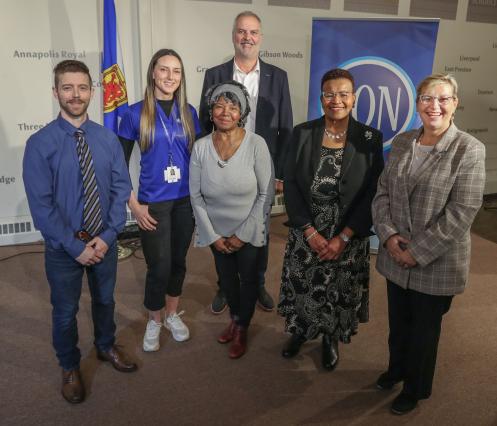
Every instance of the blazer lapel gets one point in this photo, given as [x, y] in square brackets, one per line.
[403, 178]
[353, 138]
[316, 142]
[434, 156]
[264, 81]
[405, 166]
[227, 70]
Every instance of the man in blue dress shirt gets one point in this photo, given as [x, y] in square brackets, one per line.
[58, 198]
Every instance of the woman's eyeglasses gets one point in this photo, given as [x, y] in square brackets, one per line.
[442, 100]
[335, 95]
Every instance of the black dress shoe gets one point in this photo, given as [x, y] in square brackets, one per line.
[219, 303]
[292, 347]
[403, 404]
[386, 381]
[118, 360]
[73, 390]
[330, 352]
[264, 300]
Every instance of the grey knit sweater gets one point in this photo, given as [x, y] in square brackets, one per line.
[235, 199]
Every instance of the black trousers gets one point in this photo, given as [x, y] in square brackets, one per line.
[415, 321]
[165, 250]
[261, 267]
[238, 279]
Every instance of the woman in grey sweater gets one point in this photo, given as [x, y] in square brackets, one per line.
[231, 175]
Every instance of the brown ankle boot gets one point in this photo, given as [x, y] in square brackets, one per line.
[227, 335]
[239, 344]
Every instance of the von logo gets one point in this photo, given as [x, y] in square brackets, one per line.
[385, 96]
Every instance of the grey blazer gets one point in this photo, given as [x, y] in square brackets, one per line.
[434, 208]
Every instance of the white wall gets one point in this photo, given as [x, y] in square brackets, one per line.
[200, 31]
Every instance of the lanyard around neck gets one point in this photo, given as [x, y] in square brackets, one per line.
[166, 132]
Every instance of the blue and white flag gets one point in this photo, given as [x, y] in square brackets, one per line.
[115, 95]
[387, 59]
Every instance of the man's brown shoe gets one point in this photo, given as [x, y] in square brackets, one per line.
[73, 390]
[118, 360]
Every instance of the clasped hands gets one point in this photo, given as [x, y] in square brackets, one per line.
[397, 247]
[326, 249]
[94, 252]
[228, 245]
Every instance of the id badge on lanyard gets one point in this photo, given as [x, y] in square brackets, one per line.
[172, 173]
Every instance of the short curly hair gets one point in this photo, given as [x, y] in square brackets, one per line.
[335, 74]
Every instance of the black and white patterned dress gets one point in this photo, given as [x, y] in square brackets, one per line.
[324, 296]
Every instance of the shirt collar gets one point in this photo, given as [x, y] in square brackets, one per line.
[257, 68]
[69, 128]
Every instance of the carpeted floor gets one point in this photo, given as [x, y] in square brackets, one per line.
[195, 383]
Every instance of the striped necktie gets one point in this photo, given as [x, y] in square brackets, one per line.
[92, 216]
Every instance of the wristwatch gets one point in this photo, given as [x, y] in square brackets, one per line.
[345, 238]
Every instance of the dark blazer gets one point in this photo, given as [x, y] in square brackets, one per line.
[362, 165]
[274, 120]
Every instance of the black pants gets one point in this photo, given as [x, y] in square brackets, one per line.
[165, 250]
[238, 279]
[261, 267]
[415, 321]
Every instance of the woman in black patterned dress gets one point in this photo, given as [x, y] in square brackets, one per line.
[330, 180]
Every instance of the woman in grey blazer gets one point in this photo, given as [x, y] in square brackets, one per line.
[330, 180]
[427, 198]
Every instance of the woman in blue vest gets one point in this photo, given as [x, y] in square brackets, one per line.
[165, 126]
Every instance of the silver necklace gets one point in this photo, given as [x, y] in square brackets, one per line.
[335, 136]
[220, 162]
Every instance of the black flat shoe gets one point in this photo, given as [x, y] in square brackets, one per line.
[330, 352]
[292, 347]
[403, 404]
[386, 381]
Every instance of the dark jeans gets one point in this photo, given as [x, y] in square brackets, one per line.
[65, 277]
[415, 321]
[238, 279]
[165, 250]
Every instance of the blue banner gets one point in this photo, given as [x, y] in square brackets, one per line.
[387, 59]
[115, 95]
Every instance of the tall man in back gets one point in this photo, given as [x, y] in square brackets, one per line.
[270, 115]
[77, 186]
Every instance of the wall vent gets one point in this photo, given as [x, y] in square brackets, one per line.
[16, 228]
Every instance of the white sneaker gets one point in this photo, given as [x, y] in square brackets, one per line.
[151, 338]
[177, 327]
